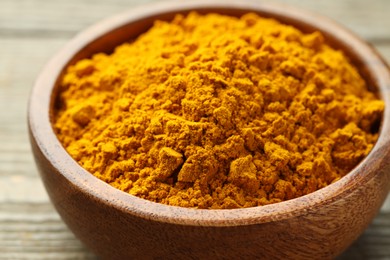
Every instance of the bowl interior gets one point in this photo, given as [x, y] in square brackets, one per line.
[104, 36]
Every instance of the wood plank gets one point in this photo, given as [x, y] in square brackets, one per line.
[55, 18]
[30, 32]
[59, 18]
[374, 243]
[20, 63]
[369, 19]
[21, 188]
[41, 234]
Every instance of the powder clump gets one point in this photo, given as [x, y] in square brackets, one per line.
[212, 111]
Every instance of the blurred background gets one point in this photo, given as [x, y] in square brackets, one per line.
[31, 31]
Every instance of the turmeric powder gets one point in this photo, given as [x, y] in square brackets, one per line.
[218, 112]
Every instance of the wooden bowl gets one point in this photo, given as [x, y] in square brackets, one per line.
[116, 225]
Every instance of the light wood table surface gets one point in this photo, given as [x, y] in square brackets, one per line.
[31, 31]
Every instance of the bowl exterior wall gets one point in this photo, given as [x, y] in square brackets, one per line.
[321, 230]
[113, 233]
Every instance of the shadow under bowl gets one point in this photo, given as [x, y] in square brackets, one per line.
[116, 225]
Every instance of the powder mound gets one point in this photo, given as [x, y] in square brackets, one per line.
[212, 111]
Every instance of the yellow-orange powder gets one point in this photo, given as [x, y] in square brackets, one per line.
[211, 111]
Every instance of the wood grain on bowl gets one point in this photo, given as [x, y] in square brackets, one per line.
[116, 225]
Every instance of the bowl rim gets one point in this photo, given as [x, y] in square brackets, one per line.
[41, 131]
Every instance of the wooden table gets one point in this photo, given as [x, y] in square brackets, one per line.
[33, 30]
